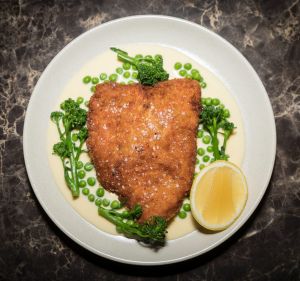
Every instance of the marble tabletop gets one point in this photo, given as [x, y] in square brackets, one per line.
[268, 35]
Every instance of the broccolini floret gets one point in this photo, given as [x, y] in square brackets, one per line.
[150, 70]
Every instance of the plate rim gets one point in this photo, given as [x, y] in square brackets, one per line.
[26, 138]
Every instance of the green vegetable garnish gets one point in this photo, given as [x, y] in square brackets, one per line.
[151, 232]
[71, 119]
[150, 70]
[215, 121]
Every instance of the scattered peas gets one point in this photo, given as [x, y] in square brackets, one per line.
[82, 183]
[182, 214]
[88, 166]
[187, 207]
[85, 191]
[189, 76]
[203, 85]
[91, 197]
[196, 76]
[215, 102]
[202, 166]
[205, 158]
[93, 89]
[177, 65]
[126, 65]
[200, 134]
[187, 66]
[208, 101]
[209, 149]
[113, 77]
[226, 113]
[100, 192]
[103, 76]
[206, 139]
[98, 202]
[79, 100]
[158, 57]
[200, 151]
[119, 70]
[81, 174]
[91, 181]
[193, 71]
[134, 75]
[95, 80]
[125, 213]
[105, 202]
[74, 137]
[222, 106]
[182, 72]
[115, 204]
[79, 164]
[126, 74]
[87, 79]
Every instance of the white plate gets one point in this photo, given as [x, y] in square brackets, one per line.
[208, 48]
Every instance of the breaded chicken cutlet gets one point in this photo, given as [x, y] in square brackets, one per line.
[142, 141]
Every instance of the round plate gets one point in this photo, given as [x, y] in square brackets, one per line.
[207, 48]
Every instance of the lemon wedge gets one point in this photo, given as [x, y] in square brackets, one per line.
[218, 195]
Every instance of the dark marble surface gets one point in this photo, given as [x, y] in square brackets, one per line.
[266, 32]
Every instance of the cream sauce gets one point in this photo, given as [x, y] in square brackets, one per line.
[107, 62]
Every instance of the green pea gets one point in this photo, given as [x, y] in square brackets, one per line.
[177, 65]
[202, 166]
[126, 74]
[79, 100]
[95, 80]
[134, 75]
[215, 102]
[193, 71]
[200, 151]
[201, 79]
[148, 57]
[91, 181]
[182, 72]
[119, 70]
[87, 79]
[205, 158]
[158, 57]
[88, 166]
[206, 139]
[189, 76]
[200, 134]
[103, 76]
[82, 183]
[130, 82]
[113, 77]
[138, 56]
[208, 101]
[85, 191]
[222, 106]
[197, 161]
[209, 149]
[81, 174]
[126, 65]
[105, 202]
[115, 204]
[79, 164]
[98, 202]
[91, 197]
[100, 192]
[86, 103]
[125, 213]
[182, 214]
[187, 207]
[203, 85]
[93, 89]
[196, 76]
[134, 67]
[226, 113]
[187, 66]
[74, 137]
